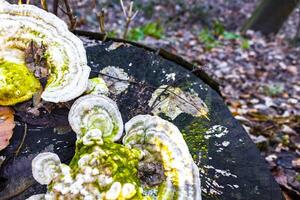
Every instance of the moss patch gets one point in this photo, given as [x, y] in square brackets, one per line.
[17, 83]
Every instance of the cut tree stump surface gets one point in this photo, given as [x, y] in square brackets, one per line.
[230, 165]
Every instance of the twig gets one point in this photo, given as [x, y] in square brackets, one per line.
[113, 77]
[71, 16]
[167, 90]
[129, 16]
[22, 141]
[101, 19]
[154, 104]
[62, 10]
[44, 5]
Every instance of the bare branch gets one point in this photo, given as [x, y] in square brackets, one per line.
[129, 16]
[133, 16]
[123, 8]
[101, 19]
[22, 141]
[71, 16]
[130, 8]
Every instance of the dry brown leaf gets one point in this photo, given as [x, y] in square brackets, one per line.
[7, 125]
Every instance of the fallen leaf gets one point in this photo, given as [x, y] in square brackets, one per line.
[35, 60]
[172, 101]
[7, 125]
[116, 45]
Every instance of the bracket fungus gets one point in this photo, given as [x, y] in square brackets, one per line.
[96, 112]
[44, 167]
[97, 86]
[65, 56]
[161, 141]
[153, 150]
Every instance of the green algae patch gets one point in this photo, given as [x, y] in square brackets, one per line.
[112, 159]
[17, 83]
[193, 134]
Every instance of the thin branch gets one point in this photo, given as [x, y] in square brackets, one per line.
[101, 19]
[154, 104]
[130, 8]
[113, 77]
[129, 16]
[157, 99]
[123, 8]
[71, 16]
[22, 141]
[62, 10]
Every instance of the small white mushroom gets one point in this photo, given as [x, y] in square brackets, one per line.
[93, 136]
[84, 159]
[50, 196]
[44, 167]
[66, 173]
[37, 197]
[128, 190]
[104, 180]
[114, 191]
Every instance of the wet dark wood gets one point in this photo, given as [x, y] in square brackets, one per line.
[230, 164]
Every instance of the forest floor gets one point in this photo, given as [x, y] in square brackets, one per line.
[258, 76]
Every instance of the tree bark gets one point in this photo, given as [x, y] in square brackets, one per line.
[270, 15]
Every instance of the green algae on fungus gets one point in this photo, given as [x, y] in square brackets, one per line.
[17, 83]
[96, 112]
[152, 163]
[112, 160]
[97, 86]
[100, 170]
[162, 141]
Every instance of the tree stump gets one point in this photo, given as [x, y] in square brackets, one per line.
[230, 165]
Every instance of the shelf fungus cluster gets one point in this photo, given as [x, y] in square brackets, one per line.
[60, 53]
[152, 163]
